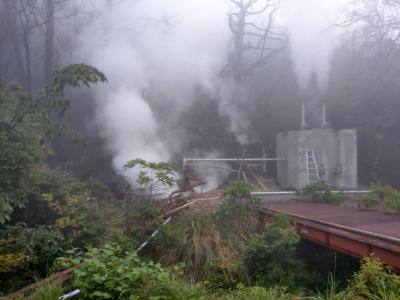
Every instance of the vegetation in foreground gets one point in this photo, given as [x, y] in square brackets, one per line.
[51, 220]
[110, 273]
[225, 255]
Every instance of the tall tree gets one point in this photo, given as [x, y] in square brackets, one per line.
[256, 38]
[49, 41]
[365, 83]
[26, 129]
[12, 37]
[378, 31]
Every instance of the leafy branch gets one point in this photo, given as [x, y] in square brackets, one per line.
[152, 174]
[50, 100]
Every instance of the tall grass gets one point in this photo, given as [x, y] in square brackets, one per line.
[257, 293]
[200, 245]
[47, 292]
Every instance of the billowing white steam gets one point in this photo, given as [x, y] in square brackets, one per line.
[215, 173]
[168, 48]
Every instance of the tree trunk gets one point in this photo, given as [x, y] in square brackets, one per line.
[12, 36]
[28, 79]
[237, 63]
[49, 42]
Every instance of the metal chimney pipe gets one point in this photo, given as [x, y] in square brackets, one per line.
[324, 123]
[303, 116]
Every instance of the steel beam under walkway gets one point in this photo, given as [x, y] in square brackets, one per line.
[352, 231]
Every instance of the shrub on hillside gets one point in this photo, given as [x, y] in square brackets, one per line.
[374, 281]
[385, 197]
[270, 256]
[112, 273]
[206, 252]
[237, 196]
[321, 192]
[23, 248]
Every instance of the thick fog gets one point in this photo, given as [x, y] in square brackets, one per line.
[181, 83]
[158, 53]
[164, 48]
[313, 34]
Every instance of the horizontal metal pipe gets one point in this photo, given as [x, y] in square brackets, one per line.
[214, 167]
[288, 193]
[186, 160]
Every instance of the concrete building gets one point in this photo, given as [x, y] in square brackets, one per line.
[317, 154]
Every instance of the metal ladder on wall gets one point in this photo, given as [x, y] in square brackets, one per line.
[312, 168]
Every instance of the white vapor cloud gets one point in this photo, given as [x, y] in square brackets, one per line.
[157, 52]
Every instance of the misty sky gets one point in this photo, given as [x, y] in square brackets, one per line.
[312, 35]
[171, 47]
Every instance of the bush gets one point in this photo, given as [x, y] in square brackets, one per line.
[321, 192]
[199, 245]
[226, 272]
[237, 196]
[375, 281]
[270, 256]
[22, 249]
[205, 253]
[141, 219]
[112, 273]
[234, 216]
[381, 196]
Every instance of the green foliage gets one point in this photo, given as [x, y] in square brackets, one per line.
[71, 217]
[66, 204]
[199, 244]
[270, 256]
[237, 196]
[141, 222]
[11, 261]
[27, 124]
[180, 290]
[75, 75]
[48, 292]
[166, 236]
[152, 174]
[205, 254]
[112, 273]
[41, 244]
[5, 207]
[258, 293]
[321, 192]
[21, 163]
[384, 197]
[226, 272]
[26, 254]
[375, 281]
[140, 219]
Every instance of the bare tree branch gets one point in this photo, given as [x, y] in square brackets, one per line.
[249, 34]
[378, 32]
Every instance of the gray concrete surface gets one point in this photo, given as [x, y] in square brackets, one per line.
[335, 153]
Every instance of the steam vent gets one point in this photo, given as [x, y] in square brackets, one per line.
[317, 154]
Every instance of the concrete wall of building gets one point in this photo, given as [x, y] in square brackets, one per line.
[335, 153]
